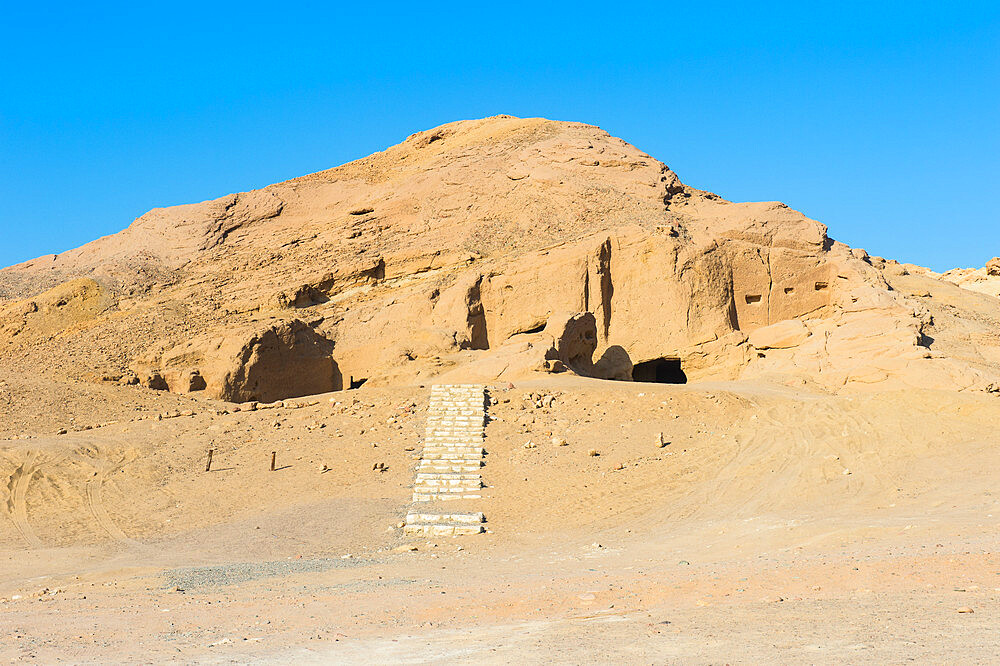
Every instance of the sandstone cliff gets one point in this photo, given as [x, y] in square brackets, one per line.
[470, 250]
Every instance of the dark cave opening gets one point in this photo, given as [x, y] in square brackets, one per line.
[660, 371]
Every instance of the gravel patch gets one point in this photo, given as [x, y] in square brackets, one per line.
[188, 578]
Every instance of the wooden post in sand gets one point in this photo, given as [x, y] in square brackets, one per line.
[208, 465]
[273, 453]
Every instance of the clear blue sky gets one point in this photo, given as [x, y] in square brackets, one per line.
[881, 119]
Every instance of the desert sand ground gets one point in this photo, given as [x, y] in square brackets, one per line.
[777, 525]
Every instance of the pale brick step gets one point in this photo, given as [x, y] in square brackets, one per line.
[435, 482]
[454, 431]
[466, 398]
[450, 476]
[435, 459]
[457, 408]
[455, 415]
[465, 518]
[443, 497]
[449, 423]
[431, 466]
[456, 412]
[452, 456]
[465, 457]
[448, 485]
[466, 445]
[462, 440]
[470, 408]
[442, 530]
[458, 448]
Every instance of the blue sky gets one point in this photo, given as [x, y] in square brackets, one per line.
[881, 120]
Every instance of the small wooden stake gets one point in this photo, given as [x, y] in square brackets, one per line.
[208, 465]
[273, 453]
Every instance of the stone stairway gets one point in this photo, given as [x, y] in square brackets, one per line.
[449, 467]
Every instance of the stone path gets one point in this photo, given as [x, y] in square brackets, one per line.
[449, 467]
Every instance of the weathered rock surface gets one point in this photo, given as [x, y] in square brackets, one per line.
[984, 280]
[452, 255]
[784, 334]
[266, 363]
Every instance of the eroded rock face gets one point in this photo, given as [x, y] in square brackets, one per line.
[984, 280]
[282, 361]
[267, 363]
[456, 251]
[61, 308]
[783, 335]
[654, 295]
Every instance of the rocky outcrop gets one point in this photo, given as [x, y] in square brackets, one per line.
[57, 310]
[574, 341]
[265, 363]
[455, 252]
[984, 280]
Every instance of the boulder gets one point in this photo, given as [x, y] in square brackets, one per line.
[574, 341]
[614, 364]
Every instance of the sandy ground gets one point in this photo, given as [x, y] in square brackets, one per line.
[777, 525]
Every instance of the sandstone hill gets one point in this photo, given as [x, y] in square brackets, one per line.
[485, 250]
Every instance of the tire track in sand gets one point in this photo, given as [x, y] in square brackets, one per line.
[17, 507]
[95, 503]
